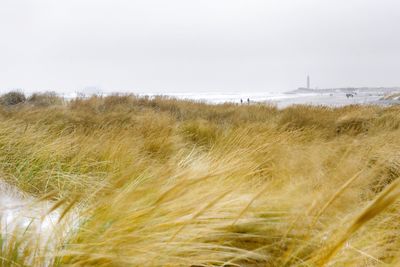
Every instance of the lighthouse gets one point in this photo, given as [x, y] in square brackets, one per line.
[308, 82]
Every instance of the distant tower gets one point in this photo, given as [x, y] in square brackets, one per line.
[308, 82]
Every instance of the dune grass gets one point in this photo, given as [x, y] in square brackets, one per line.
[163, 182]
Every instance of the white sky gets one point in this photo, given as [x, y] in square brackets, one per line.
[198, 45]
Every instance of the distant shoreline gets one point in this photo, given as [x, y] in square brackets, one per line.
[303, 90]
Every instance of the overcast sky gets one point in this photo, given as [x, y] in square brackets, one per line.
[198, 45]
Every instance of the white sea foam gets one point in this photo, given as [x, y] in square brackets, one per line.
[29, 221]
[20, 211]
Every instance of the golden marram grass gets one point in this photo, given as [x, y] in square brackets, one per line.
[163, 182]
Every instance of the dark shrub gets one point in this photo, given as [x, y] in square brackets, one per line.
[44, 99]
[12, 98]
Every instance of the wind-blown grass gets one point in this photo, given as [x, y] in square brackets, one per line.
[163, 182]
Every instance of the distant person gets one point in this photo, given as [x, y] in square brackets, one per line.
[241, 101]
[248, 101]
